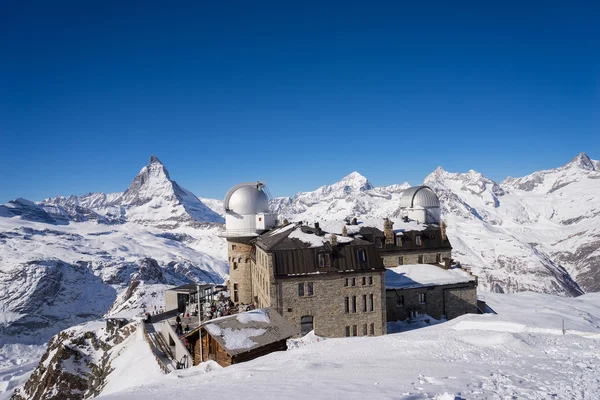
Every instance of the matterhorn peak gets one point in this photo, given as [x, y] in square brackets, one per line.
[154, 160]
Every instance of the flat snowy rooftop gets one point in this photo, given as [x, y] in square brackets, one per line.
[417, 275]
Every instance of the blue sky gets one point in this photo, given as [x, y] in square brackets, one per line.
[298, 95]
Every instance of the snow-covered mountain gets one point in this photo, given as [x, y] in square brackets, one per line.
[540, 232]
[151, 199]
[67, 260]
[354, 195]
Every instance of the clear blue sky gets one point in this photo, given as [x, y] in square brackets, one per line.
[296, 93]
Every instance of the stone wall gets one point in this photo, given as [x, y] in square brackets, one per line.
[450, 301]
[238, 252]
[263, 286]
[327, 303]
[428, 256]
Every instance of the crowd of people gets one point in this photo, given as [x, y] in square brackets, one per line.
[217, 308]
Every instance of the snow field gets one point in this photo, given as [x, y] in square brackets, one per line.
[485, 359]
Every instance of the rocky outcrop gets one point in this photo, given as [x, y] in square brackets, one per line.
[76, 363]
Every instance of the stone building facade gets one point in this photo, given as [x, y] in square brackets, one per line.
[426, 246]
[448, 301]
[239, 255]
[317, 282]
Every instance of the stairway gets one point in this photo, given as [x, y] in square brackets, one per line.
[160, 344]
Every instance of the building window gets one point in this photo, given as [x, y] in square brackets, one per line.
[401, 260]
[354, 304]
[233, 247]
[353, 281]
[364, 280]
[346, 282]
[421, 298]
[259, 219]
[354, 330]
[420, 259]
[365, 330]
[247, 260]
[370, 302]
[400, 301]
[372, 329]
[347, 305]
[438, 258]
[399, 241]
[236, 298]
[306, 324]
[378, 243]
[364, 303]
[418, 240]
[370, 280]
[309, 288]
[234, 265]
[347, 330]
[362, 256]
[324, 260]
[300, 289]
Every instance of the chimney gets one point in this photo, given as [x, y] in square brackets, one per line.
[388, 231]
[354, 221]
[443, 229]
[344, 231]
[333, 239]
[318, 230]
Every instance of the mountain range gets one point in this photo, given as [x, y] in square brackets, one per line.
[67, 260]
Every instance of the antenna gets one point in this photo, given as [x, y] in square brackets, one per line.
[263, 186]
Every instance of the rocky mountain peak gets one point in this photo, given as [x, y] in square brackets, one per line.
[154, 160]
[582, 161]
[355, 181]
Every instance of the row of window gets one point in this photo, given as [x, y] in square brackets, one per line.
[350, 304]
[352, 281]
[438, 259]
[309, 289]
[352, 330]
[400, 300]
[324, 259]
[398, 241]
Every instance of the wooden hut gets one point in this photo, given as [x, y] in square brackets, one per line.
[241, 337]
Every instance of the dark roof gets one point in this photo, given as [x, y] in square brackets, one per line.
[229, 329]
[191, 287]
[278, 239]
[431, 238]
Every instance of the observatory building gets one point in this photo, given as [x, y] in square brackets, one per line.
[246, 216]
[421, 204]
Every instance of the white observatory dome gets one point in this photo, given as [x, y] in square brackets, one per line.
[247, 210]
[419, 196]
[248, 200]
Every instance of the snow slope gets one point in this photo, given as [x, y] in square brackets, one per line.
[73, 259]
[519, 353]
[540, 232]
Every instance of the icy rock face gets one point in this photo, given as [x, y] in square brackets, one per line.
[75, 364]
[28, 211]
